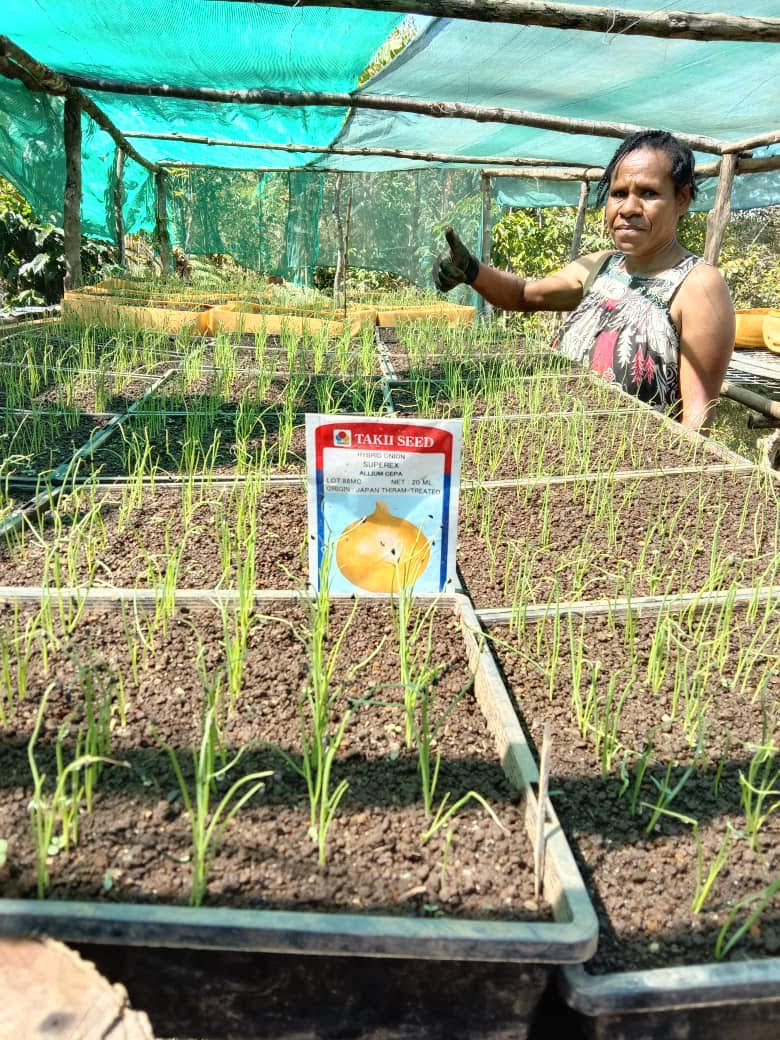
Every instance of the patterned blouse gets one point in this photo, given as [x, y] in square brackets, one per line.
[624, 331]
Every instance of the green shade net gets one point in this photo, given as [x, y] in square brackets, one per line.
[178, 42]
[722, 90]
[283, 222]
[32, 157]
[396, 220]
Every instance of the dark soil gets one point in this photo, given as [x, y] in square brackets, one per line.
[86, 393]
[135, 843]
[664, 536]
[131, 552]
[694, 530]
[643, 883]
[55, 441]
[550, 392]
[493, 450]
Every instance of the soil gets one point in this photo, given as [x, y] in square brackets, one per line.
[87, 394]
[643, 884]
[135, 843]
[493, 450]
[551, 392]
[668, 536]
[56, 443]
[695, 538]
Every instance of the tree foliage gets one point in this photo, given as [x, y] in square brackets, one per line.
[32, 260]
[536, 242]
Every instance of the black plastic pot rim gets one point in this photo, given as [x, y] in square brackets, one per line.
[369, 935]
[670, 989]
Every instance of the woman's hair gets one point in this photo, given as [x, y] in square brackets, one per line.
[680, 154]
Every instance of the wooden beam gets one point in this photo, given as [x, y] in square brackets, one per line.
[763, 165]
[161, 223]
[718, 217]
[579, 222]
[18, 64]
[313, 149]
[383, 103]
[72, 198]
[119, 219]
[554, 173]
[485, 308]
[758, 141]
[595, 173]
[675, 25]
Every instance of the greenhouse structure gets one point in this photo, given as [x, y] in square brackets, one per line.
[366, 668]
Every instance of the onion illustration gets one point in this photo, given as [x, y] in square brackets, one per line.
[381, 551]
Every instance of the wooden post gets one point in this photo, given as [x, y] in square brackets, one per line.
[485, 308]
[676, 25]
[338, 272]
[579, 222]
[161, 219]
[346, 250]
[72, 198]
[118, 200]
[719, 214]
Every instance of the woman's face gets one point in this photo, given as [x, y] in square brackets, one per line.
[643, 206]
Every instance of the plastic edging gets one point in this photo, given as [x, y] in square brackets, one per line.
[723, 1000]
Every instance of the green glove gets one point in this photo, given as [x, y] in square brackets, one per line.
[455, 265]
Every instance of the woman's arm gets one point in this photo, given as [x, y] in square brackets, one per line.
[562, 291]
[706, 323]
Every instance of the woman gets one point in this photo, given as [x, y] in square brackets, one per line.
[649, 314]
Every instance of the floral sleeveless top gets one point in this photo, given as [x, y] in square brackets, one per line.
[624, 331]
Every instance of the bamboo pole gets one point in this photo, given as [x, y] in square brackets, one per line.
[311, 149]
[72, 198]
[18, 64]
[161, 223]
[383, 103]
[757, 402]
[579, 222]
[680, 25]
[718, 217]
[119, 219]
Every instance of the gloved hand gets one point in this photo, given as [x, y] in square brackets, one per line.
[455, 265]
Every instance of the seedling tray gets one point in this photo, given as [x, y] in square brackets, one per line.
[569, 936]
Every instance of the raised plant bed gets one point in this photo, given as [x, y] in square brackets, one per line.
[440, 911]
[699, 718]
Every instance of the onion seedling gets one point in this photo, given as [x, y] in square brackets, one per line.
[45, 812]
[759, 901]
[207, 823]
[666, 795]
[760, 791]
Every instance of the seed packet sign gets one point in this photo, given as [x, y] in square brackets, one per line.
[383, 503]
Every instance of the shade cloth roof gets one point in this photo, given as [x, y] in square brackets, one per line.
[725, 90]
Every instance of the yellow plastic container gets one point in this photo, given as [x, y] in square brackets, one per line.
[750, 328]
[771, 331]
[450, 313]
